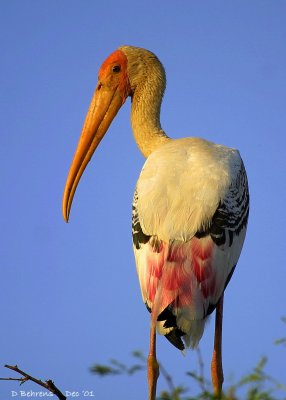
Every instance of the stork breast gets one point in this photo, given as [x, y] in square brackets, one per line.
[181, 185]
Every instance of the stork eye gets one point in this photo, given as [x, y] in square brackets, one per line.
[116, 68]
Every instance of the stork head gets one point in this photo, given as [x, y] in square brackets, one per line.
[118, 77]
[110, 93]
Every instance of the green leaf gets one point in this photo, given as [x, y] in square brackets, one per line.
[103, 370]
[138, 354]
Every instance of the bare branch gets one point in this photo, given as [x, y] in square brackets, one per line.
[49, 384]
[21, 380]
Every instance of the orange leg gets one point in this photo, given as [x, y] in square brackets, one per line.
[216, 365]
[153, 366]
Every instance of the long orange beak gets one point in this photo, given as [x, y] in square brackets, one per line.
[104, 106]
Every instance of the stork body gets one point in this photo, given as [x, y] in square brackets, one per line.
[190, 206]
[189, 223]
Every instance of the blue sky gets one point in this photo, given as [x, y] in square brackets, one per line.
[69, 292]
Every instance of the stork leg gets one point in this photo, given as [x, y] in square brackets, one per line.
[216, 365]
[153, 366]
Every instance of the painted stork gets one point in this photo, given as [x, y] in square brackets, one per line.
[190, 207]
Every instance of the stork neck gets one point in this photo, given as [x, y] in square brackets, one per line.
[145, 115]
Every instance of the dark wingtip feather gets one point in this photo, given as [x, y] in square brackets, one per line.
[174, 337]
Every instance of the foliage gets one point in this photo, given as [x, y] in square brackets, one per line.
[256, 385]
[282, 340]
[116, 368]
